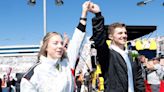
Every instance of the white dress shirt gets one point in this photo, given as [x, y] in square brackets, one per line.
[124, 54]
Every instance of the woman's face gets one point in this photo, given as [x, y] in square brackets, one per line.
[55, 47]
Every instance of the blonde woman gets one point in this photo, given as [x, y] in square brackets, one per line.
[53, 72]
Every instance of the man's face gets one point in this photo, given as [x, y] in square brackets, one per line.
[119, 36]
[155, 61]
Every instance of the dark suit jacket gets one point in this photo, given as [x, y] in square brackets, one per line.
[113, 66]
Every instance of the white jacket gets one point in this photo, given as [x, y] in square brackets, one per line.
[45, 77]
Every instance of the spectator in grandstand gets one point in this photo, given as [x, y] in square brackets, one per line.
[79, 81]
[4, 81]
[143, 60]
[11, 84]
[18, 80]
[162, 64]
[53, 72]
[120, 72]
[154, 74]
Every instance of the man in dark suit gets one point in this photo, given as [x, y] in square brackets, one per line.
[120, 72]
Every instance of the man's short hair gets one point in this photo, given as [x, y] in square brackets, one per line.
[112, 26]
[156, 58]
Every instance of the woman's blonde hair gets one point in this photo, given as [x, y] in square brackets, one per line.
[44, 45]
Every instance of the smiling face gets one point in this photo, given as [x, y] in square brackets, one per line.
[118, 35]
[55, 47]
[52, 46]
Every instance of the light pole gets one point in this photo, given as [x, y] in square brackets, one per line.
[44, 17]
[144, 2]
[33, 2]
